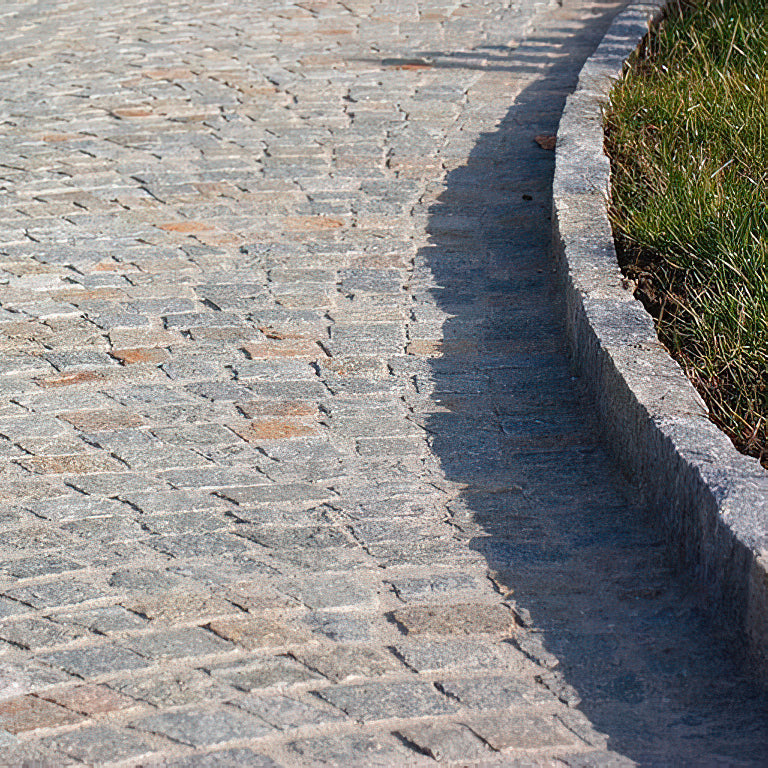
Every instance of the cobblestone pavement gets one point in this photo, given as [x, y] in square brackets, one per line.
[293, 470]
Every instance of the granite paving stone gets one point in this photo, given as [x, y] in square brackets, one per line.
[451, 742]
[522, 731]
[202, 727]
[284, 712]
[187, 642]
[425, 654]
[344, 662]
[224, 758]
[100, 743]
[169, 688]
[379, 751]
[28, 713]
[89, 699]
[493, 692]
[261, 672]
[293, 469]
[378, 701]
[92, 661]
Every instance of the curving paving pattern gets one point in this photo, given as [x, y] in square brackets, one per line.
[293, 471]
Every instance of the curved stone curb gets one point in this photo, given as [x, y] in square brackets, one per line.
[712, 501]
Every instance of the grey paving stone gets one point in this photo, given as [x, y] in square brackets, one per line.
[42, 565]
[195, 434]
[274, 492]
[112, 618]
[494, 691]
[12, 607]
[172, 688]
[322, 592]
[378, 701]
[521, 731]
[58, 593]
[449, 742]
[108, 528]
[425, 655]
[207, 477]
[94, 661]
[225, 758]
[27, 754]
[199, 545]
[187, 602]
[33, 538]
[115, 483]
[77, 360]
[256, 673]
[155, 502]
[149, 580]
[348, 661]
[34, 633]
[296, 538]
[284, 712]
[182, 522]
[179, 643]
[18, 678]
[100, 743]
[431, 587]
[204, 726]
[342, 627]
[380, 750]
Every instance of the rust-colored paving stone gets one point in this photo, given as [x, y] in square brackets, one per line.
[28, 713]
[462, 619]
[89, 699]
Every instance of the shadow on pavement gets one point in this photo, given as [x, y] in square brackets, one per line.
[543, 503]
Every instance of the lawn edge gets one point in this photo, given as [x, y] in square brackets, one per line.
[710, 500]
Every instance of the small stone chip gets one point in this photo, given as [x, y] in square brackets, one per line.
[546, 141]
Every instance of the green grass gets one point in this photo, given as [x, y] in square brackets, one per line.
[687, 133]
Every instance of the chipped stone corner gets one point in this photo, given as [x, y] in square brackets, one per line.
[711, 501]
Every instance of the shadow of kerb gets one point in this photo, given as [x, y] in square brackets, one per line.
[551, 514]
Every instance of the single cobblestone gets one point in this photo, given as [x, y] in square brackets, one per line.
[378, 701]
[203, 727]
[293, 471]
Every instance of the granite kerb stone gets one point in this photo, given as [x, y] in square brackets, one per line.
[711, 501]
